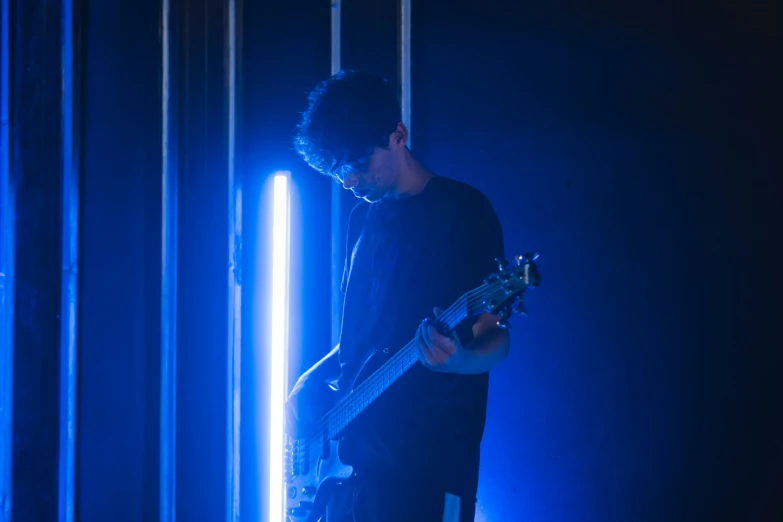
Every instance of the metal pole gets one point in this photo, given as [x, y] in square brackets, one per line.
[234, 276]
[6, 280]
[70, 264]
[405, 64]
[337, 193]
[336, 36]
[168, 305]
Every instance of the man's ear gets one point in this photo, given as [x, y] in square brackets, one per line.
[399, 137]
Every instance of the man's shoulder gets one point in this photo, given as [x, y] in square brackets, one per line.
[462, 193]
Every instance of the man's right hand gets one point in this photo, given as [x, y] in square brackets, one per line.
[311, 396]
[308, 402]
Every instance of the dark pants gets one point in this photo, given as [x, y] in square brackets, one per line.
[367, 500]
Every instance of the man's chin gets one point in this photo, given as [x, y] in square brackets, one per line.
[372, 196]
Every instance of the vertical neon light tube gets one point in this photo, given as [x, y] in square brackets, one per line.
[278, 346]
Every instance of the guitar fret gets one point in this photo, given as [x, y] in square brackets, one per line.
[371, 389]
[357, 401]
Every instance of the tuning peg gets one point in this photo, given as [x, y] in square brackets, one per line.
[504, 313]
[502, 263]
[528, 257]
[520, 308]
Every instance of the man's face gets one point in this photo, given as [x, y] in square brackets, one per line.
[373, 179]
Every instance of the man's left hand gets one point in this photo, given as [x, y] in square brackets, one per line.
[438, 352]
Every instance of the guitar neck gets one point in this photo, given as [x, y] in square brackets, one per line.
[495, 295]
[370, 389]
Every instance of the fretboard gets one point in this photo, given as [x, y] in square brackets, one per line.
[371, 388]
[363, 395]
[496, 293]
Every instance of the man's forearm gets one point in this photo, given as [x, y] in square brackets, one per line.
[327, 369]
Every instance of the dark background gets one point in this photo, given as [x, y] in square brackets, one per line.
[636, 147]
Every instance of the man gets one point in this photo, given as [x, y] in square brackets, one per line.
[416, 242]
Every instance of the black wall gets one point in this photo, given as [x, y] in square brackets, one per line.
[119, 281]
[202, 318]
[633, 147]
[35, 158]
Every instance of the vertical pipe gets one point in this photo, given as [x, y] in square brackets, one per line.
[336, 214]
[70, 264]
[168, 320]
[168, 323]
[6, 278]
[234, 280]
[405, 64]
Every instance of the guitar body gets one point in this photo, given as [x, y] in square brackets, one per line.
[314, 469]
[308, 494]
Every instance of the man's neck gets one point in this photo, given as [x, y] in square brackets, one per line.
[413, 178]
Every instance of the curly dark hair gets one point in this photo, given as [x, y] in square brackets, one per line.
[348, 116]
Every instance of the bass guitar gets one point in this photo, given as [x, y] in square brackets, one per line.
[312, 464]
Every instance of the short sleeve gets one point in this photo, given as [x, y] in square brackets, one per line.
[480, 241]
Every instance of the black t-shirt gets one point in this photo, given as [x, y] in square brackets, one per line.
[403, 258]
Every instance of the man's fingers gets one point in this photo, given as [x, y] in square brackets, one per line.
[439, 354]
[443, 343]
[434, 348]
[424, 353]
[427, 329]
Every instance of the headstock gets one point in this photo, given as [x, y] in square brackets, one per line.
[502, 291]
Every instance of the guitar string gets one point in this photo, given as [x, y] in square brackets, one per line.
[346, 405]
[345, 409]
[339, 410]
